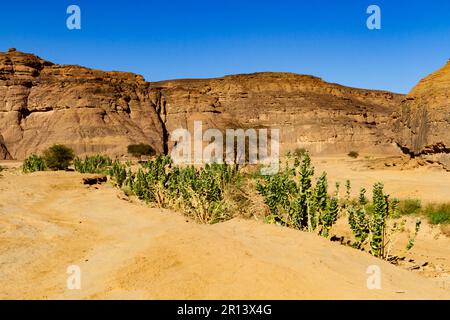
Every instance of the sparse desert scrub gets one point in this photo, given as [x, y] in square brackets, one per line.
[294, 197]
[197, 192]
[33, 163]
[409, 207]
[438, 213]
[295, 202]
[93, 164]
[57, 157]
[376, 224]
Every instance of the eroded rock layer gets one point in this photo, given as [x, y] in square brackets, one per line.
[310, 113]
[91, 111]
[422, 126]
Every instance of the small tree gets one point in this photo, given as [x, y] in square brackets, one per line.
[141, 149]
[58, 157]
[353, 154]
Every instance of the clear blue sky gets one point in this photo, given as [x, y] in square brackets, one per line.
[208, 38]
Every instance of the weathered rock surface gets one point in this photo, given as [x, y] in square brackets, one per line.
[422, 125]
[310, 113]
[91, 111]
[4, 153]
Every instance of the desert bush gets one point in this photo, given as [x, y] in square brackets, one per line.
[118, 172]
[353, 154]
[358, 219]
[33, 163]
[93, 164]
[438, 213]
[375, 223]
[197, 192]
[412, 239]
[378, 225]
[58, 157]
[409, 207]
[299, 152]
[293, 201]
[141, 149]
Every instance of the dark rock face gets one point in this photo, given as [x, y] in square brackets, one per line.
[4, 153]
[422, 126]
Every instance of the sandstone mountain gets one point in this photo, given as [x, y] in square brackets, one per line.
[93, 111]
[310, 113]
[423, 123]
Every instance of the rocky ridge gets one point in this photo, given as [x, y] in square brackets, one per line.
[422, 124]
[94, 111]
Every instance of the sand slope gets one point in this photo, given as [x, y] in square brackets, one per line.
[49, 221]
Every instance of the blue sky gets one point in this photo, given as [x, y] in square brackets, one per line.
[199, 38]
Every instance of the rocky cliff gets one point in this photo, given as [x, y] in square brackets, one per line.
[93, 111]
[310, 113]
[422, 126]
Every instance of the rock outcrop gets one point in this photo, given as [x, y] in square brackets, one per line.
[91, 111]
[310, 113]
[4, 153]
[422, 125]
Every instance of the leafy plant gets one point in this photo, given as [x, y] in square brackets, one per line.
[380, 213]
[141, 149]
[438, 213]
[93, 164]
[118, 172]
[293, 201]
[58, 157]
[33, 163]
[412, 239]
[409, 206]
[359, 220]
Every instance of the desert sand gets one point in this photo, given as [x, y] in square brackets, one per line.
[126, 249]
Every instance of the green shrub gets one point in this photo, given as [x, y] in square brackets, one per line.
[380, 213]
[300, 152]
[358, 219]
[58, 157]
[197, 192]
[118, 172]
[353, 154]
[33, 163]
[293, 200]
[438, 213]
[412, 239]
[93, 164]
[409, 206]
[141, 149]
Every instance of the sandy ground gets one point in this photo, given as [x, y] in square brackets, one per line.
[427, 183]
[49, 221]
